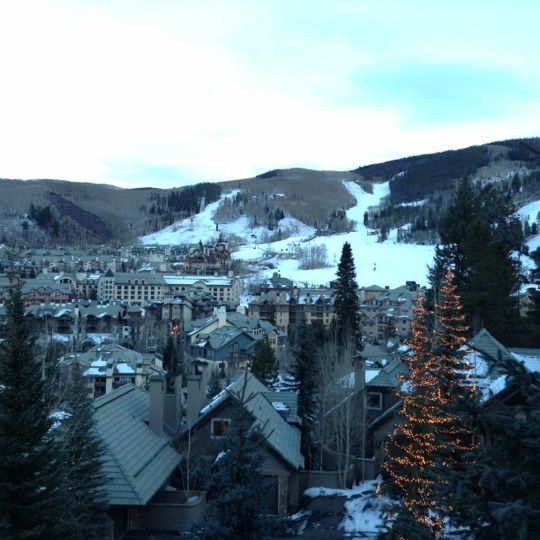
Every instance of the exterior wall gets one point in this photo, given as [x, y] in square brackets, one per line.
[388, 399]
[273, 467]
[239, 348]
[168, 511]
[141, 288]
[380, 433]
[328, 479]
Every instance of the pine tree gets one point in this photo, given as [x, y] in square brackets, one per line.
[30, 494]
[478, 234]
[236, 509]
[214, 384]
[436, 438]
[346, 298]
[264, 363]
[498, 496]
[533, 321]
[83, 454]
[305, 372]
[413, 447]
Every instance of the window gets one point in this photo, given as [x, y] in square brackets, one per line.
[374, 400]
[219, 427]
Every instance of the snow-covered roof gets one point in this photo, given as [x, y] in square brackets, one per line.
[124, 369]
[190, 280]
[93, 372]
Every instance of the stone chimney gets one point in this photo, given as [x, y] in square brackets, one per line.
[157, 393]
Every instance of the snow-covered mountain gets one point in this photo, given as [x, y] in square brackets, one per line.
[383, 263]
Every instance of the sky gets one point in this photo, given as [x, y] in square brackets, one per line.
[171, 92]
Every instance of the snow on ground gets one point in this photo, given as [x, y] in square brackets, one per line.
[363, 508]
[531, 213]
[189, 230]
[386, 263]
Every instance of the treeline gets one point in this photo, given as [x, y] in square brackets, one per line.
[186, 201]
[166, 208]
[436, 172]
[44, 218]
[259, 208]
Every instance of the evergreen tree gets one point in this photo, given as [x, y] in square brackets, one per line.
[413, 446]
[533, 321]
[30, 495]
[498, 495]
[305, 354]
[264, 363]
[51, 369]
[346, 298]
[478, 234]
[437, 436]
[214, 384]
[236, 508]
[172, 354]
[83, 454]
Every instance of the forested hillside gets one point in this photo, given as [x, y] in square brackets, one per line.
[421, 188]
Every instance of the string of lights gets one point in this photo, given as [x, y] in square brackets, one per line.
[434, 434]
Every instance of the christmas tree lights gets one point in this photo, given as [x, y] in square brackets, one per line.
[433, 436]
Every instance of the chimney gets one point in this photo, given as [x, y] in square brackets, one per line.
[359, 374]
[196, 393]
[155, 420]
[171, 411]
[109, 377]
[222, 317]
[139, 374]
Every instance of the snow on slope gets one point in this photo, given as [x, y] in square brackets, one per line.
[189, 230]
[531, 213]
[386, 263]
[202, 227]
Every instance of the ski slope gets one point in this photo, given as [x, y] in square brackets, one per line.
[386, 263]
[531, 213]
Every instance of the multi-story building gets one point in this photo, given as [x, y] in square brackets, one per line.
[106, 367]
[287, 307]
[387, 312]
[142, 288]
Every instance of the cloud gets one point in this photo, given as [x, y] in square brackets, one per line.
[441, 93]
[168, 92]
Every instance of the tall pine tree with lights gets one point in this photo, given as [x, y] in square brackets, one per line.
[450, 337]
[413, 446]
[433, 441]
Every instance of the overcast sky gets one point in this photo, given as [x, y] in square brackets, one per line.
[169, 92]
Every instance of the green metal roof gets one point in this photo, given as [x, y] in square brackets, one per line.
[280, 435]
[137, 462]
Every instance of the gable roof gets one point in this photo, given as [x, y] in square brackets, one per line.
[485, 343]
[280, 436]
[390, 375]
[137, 461]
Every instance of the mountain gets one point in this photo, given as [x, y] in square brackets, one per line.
[419, 190]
